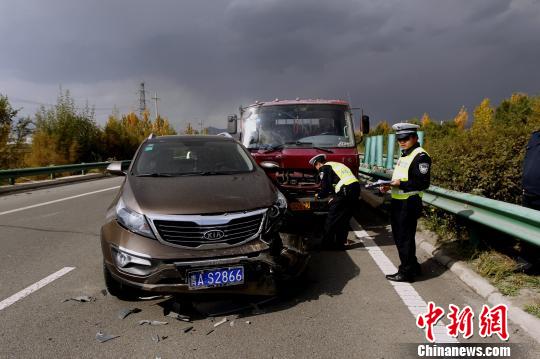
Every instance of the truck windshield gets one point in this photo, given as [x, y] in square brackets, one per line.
[322, 125]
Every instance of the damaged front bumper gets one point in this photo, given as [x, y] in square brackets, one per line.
[262, 264]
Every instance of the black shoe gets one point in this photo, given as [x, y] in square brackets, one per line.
[400, 277]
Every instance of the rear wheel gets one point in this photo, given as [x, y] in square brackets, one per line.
[119, 290]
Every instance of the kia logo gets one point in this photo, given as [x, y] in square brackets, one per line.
[213, 235]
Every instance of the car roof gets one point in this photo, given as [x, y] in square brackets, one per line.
[189, 138]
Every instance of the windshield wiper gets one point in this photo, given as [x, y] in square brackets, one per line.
[274, 148]
[154, 174]
[300, 143]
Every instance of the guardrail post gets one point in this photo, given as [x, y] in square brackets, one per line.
[391, 145]
[367, 149]
[83, 171]
[379, 150]
[373, 150]
[421, 138]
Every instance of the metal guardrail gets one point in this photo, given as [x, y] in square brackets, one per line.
[517, 221]
[13, 174]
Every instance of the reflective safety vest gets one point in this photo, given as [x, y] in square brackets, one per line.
[401, 172]
[346, 177]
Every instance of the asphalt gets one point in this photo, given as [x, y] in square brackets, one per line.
[342, 307]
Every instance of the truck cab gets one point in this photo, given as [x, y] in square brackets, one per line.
[282, 135]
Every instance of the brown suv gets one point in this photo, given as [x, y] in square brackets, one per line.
[196, 213]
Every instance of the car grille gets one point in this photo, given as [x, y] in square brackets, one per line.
[191, 234]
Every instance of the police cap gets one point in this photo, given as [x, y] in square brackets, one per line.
[404, 130]
[317, 158]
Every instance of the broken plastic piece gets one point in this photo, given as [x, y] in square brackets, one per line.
[181, 317]
[103, 337]
[231, 323]
[152, 322]
[248, 321]
[155, 338]
[188, 329]
[127, 311]
[81, 299]
[224, 320]
[210, 331]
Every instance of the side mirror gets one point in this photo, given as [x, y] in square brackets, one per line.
[115, 168]
[365, 124]
[232, 124]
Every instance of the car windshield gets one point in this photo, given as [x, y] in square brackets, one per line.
[191, 157]
[294, 125]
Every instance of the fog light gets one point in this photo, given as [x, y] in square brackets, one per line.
[122, 259]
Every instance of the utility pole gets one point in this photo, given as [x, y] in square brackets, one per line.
[142, 100]
[201, 125]
[155, 98]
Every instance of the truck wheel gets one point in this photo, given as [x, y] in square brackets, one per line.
[117, 289]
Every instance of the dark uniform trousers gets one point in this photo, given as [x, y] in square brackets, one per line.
[404, 214]
[341, 210]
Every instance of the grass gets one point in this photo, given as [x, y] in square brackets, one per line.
[533, 309]
[497, 267]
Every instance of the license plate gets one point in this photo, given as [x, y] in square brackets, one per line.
[215, 277]
[300, 205]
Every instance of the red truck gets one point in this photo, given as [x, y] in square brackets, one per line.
[282, 135]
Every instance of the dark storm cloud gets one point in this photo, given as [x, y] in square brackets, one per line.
[396, 59]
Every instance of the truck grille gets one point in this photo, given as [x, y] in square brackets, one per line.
[191, 234]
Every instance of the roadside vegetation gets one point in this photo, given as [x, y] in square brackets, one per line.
[482, 153]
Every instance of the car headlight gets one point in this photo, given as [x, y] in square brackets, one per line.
[132, 220]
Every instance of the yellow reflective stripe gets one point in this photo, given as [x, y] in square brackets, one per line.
[345, 175]
[401, 172]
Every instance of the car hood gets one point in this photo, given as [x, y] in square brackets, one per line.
[199, 194]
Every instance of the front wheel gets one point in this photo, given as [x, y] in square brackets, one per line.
[117, 289]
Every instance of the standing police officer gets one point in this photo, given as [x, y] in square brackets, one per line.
[337, 181]
[411, 176]
[531, 173]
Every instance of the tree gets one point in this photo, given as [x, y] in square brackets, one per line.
[425, 120]
[461, 118]
[189, 129]
[65, 134]
[13, 134]
[483, 115]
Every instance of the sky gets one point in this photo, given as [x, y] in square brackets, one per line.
[204, 58]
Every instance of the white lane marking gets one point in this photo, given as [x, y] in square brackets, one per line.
[406, 291]
[57, 200]
[32, 288]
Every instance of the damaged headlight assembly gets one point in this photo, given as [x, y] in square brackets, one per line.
[132, 220]
[278, 208]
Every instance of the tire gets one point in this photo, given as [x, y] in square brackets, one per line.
[117, 289]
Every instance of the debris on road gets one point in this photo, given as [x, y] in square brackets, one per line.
[210, 332]
[232, 324]
[248, 321]
[181, 317]
[81, 299]
[188, 329]
[123, 313]
[155, 338]
[224, 320]
[152, 322]
[103, 337]
[104, 292]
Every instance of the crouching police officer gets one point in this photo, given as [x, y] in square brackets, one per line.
[337, 181]
[411, 176]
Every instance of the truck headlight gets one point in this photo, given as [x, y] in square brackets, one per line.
[132, 220]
